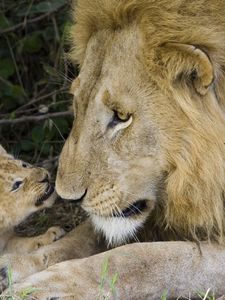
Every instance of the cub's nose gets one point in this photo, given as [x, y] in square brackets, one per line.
[45, 179]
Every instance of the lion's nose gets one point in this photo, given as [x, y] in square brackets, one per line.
[72, 193]
[80, 199]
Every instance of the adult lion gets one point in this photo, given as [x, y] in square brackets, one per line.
[146, 152]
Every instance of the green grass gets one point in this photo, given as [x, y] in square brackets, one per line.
[107, 287]
[24, 294]
[207, 295]
[201, 296]
[107, 283]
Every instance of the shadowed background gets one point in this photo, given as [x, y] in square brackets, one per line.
[35, 77]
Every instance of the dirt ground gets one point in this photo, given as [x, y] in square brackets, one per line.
[66, 214]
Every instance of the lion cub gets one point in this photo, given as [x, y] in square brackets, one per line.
[23, 190]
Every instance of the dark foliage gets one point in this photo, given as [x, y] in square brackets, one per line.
[34, 78]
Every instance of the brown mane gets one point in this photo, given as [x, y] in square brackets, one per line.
[196, 177]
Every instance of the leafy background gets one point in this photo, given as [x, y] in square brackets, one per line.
[35, 76]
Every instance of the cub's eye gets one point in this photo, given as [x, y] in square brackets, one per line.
[25, 165]
[16, 185]
[118, 118]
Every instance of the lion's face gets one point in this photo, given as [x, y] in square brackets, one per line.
[24, 189]
[149, 121]
[114, 154]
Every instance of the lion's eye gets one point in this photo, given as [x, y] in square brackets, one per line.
[16, 185]
[26, 165]
[118, 118]
[121, 117]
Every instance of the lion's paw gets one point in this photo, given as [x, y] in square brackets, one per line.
[51, 235]
[51, 284]
[36, 287]
[14, 268]
[55, 233]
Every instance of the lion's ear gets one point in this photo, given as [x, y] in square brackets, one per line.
[2, 151]
[188, 63]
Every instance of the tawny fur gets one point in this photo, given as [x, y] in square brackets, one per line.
[17, 205]
[196, 174]
[161, 63]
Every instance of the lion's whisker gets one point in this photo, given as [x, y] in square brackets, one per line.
[132, 205]
[130, 193]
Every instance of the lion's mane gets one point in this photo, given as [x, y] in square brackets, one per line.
[195, 183]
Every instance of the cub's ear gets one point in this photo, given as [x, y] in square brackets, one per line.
[2, 151]
[188, 63]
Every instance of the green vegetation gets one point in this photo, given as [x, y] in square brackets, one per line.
[107, 283]
[10, 295]
[164, 295]
[207, 296]
[34, 77]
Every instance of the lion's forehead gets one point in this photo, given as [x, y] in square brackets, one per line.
[8, 174]
[12, 169]
[4, 177]
[124, 46]
[114, 64]
[116, 71]
[9, 167]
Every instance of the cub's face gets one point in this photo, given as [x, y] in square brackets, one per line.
[24, 189]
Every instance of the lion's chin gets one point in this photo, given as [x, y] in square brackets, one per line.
[117, 230]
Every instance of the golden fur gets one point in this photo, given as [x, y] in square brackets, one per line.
[17, 204]
[148, 135]
[195, 181]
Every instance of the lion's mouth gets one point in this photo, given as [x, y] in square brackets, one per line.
[136, 208]
[48, 192]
